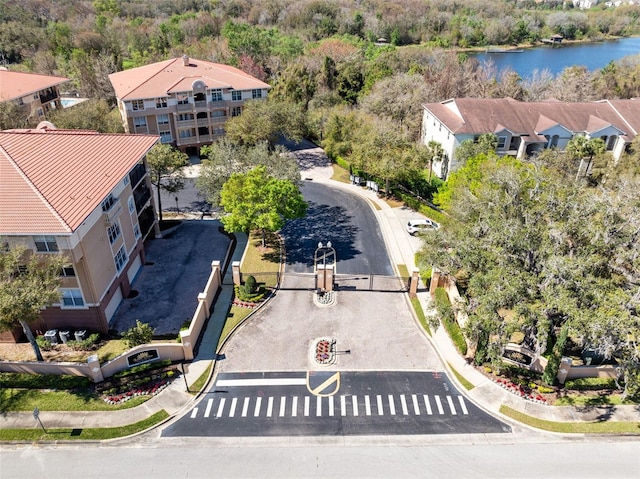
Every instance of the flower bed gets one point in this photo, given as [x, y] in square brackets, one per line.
[520, 391]
[150, 389]
[325, 351]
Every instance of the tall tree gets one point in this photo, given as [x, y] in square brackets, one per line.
[166, 168]
[28, 284]
[255, 200]
[92, 114]
[583, 149]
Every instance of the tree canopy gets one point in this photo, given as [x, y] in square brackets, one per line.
[28, 284]
[166, 168]
[257, 201]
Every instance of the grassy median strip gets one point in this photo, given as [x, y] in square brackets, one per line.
[594, 427]
[467, 385]
[199, 383]
[83, 434]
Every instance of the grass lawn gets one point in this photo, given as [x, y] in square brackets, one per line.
[27, 399]
[340, 174]
[88, 434]
[467, 385]
[595, 427]
[593, 400]
[235, 316]
[201, 381]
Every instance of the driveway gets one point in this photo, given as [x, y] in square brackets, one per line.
[176, 270]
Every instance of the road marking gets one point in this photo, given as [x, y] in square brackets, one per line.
[234, 403]
[380, 410]
[451, 406]
[256, 411]
[283, 403]
[330, 405]
[269, 406]
[439, 404]
[207, 411]
[416, 408]
[221, 407]
[306, 405]
[333, 380]
[294, 406]
[427, 404]
[403, 401]
[463, 405]
[245, 407]
[392, 405]
[261, 382]
[343, 406]
[367, 405]
[318, 405]
[194, 413]
[354, 399]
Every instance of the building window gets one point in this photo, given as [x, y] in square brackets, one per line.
[45, 244]
[216, 95]
[67, 271]
[185, 117]
[140, 122]
[107, 203]
[187, 133]
[131, 204]
[72, 297]
[257, 93]
[137, 105]
[161, 102]
[236, 95]
[120, 259]
[183, 99]
[114, 232]
[126, 180]
[20, 101]
[502, 140]
[218, 113]
[136, 231]
[236, 111]
[165, 137]
[40, 112]
[163, 119]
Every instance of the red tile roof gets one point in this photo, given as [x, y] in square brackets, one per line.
[14, 85]
[51, 180]
[160, 79]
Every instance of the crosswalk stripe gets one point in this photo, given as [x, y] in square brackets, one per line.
[403, 402]
[318, 405]
[367, 405]
[269, 406]
[194, 413]
[283, 404]
[225, 383]
[392, 406]
[379, 401]
[331, 406]
[439, 404]
[207, 410]
[427, 404]
[220, 407]
[232, 409]
[343, 406]
[245, 407]
[256, 411]
[294, 406]
[416, 408]
[451, 406]
[463, 406]
[354, 399]
[306, 405]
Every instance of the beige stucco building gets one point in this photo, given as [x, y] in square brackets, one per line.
[86, 196]
[184, 101]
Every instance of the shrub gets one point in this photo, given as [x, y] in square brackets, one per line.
[142, 368]
[250, 285]
[141, 333]
[85, 344]
[550, 373]
[590, 384]
[446, 315]
[43, 344]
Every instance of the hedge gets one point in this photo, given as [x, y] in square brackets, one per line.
[591, 384]
[445, 311]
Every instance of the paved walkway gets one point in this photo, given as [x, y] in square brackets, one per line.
[401, 247]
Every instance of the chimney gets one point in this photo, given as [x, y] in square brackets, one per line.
[185, 60]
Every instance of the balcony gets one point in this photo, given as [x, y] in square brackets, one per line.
[135, 175]
[112, 214]
[185, 107]
[141, 196]
[146, 220]
[47, 96]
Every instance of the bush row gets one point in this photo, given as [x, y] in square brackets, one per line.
[447, 316]
[141, 368]
[590, 384]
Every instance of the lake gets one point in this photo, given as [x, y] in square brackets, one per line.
[556, 58]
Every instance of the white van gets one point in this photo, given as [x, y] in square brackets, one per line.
[417, 226]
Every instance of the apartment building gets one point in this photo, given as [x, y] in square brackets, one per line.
[86, 196]
[524, 128]
[35, 95]
[184, 101]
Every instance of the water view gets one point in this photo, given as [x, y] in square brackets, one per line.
[556, 58]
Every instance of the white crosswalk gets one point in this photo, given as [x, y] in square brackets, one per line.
[341, 405]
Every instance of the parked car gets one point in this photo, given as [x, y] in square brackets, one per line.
[421, 225]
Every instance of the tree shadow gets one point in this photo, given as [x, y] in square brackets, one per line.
[321, 223]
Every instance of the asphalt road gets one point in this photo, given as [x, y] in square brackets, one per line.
[334, 404]
[344, 219]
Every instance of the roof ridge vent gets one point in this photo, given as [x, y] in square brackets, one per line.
[185, 60]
